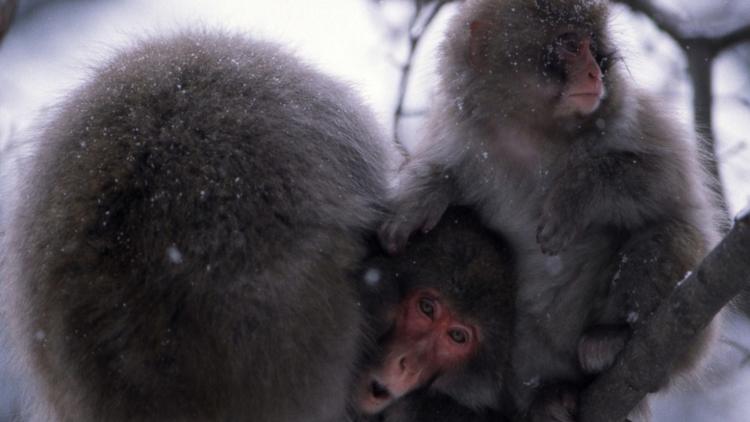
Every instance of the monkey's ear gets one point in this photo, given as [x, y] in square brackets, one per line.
[479, 31]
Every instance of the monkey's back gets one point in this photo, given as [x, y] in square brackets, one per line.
[190, 221]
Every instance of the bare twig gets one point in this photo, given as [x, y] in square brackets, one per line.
[700, 52]
[740, 348]
[664, 20]
[733, 38]
[7, 10]
[642, 366]
[417, 27]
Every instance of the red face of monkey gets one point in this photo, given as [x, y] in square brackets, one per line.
[428, 339]
[583, 90]
[539, 61]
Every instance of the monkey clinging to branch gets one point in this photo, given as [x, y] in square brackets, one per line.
[538, 129]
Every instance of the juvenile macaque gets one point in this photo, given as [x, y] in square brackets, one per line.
[188, 238]
[599, 192]
[444, 347]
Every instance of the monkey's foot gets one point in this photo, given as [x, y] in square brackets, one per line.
[599, 347]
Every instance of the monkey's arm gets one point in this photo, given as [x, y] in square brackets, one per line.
[426, 189]
[721, 276]
[651, 264]
[619, 189]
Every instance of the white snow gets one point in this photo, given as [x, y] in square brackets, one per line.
[174, 255]
[372, 277]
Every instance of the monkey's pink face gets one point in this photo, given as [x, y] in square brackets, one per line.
[428, 339]
[583, 89]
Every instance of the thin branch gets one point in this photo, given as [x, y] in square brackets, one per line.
[700, 52]
[739, 35]
[740, 348]
[413, 113]
[664, 20]
[729, 153]
[415, 36]
[7, 11]
[642, 366]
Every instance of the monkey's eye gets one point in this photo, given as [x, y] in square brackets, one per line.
[458, 335]
[427, 306]
[570, 42]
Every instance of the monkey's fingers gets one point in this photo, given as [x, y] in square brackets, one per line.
[394, 234]
[599, 347]
[431, 221]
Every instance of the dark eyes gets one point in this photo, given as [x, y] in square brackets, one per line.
[458, 336]
[570, 42]
[427, 306]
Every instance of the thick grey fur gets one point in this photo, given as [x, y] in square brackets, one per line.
[605, 214]
[186, 244]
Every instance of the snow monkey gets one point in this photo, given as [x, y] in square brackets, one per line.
[443, 315]
[193, 220]
[599, 192]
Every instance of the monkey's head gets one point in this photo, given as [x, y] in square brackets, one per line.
[449, 329]
[536, 60]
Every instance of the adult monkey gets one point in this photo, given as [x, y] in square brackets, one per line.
[188, 238]
[443, 316]
[585, 176]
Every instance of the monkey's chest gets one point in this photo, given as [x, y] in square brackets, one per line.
[508, 195]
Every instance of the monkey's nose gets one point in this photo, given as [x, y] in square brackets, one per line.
[379, 391]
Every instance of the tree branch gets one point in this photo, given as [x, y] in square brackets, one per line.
[415, 36]
[642, 366]
[739, 35]
[664, 20]
[7, 10]
[700, 52]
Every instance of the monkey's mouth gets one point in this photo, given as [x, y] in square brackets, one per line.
[585, 102]
[375, 397]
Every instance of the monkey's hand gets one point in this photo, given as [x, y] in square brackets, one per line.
[407, 219]
[554, 403]
[561, 222]
[599, 347]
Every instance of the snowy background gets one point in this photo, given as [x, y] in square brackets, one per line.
[52, 45]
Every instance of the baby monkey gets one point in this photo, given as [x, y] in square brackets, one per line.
[601, 195]
[442, 313]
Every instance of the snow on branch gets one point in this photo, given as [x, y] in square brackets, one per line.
[424, 13]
